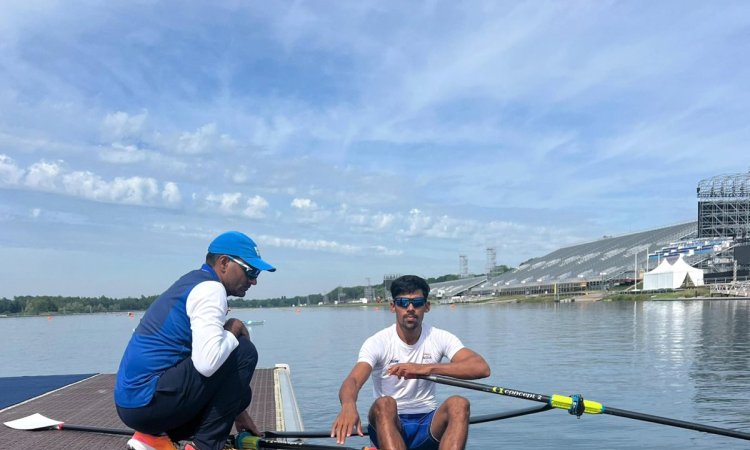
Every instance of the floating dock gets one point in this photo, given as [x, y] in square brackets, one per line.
[89, 402]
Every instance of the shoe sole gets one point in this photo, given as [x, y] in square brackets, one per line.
[138, 445]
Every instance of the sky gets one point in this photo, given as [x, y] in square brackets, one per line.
[352, 139]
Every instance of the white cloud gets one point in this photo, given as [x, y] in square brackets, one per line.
[198, 142]
[10, 173]
[43, 175]
[310, 244]
[205, 140]
[121, 125]
[226, 202]
[241, 174]
[325, 245]
[234, 204]
[122, 154]
[171, 194]
[416, 223]
[255, 207]
[383, 221]
[131, 191]
[382, 250]
[366, 220]
[310, 212]
[54, 177]
[304, 204]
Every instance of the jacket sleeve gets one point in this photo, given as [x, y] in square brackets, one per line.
[206, 307]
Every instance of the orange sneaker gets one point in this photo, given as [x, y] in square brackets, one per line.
[143, 441]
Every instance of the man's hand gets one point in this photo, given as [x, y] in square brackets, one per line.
[409, 370]
[347, 419]
[236, 327]
[244, 422]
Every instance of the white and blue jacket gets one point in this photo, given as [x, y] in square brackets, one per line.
[186, 321]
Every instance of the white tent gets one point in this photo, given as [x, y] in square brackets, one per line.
[672, 273]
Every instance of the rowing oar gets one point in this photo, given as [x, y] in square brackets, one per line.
[37, 422]
[472, 420]
[577, 405]
[40, 422]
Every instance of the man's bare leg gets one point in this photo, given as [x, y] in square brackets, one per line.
[450, 424]
[384, 417]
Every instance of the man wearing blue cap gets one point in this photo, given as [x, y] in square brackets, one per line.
[186, 371]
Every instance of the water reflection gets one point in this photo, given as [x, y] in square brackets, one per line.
[721, 367]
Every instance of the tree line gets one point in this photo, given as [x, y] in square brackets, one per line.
[45, 304]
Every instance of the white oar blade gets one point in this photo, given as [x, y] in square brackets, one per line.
[32, 422]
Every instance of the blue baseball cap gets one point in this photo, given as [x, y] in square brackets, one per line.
[239, 244]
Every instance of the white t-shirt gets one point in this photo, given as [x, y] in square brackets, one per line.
[385, 348]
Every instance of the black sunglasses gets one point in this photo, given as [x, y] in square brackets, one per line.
[250, 271]
[403, 302]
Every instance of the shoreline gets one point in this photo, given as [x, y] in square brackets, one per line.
[496, 300]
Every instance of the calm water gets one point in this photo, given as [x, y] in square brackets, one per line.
[682, 360]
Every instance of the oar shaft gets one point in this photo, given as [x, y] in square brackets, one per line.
[120, 431]
[563, 402]
[491, 389]
[676, 423]
[508, 414]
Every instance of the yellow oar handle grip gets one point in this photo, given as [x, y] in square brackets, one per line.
[564, 402]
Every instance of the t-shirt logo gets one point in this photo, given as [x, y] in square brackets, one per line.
[387, 366]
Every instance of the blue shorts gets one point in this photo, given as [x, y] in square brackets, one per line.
[415, 429]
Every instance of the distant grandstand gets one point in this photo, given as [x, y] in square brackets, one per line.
[723, 224]
[456, 288]
[590, 265]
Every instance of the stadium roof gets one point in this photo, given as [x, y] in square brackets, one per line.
[728, 186]
[448, 289]
[606, 258]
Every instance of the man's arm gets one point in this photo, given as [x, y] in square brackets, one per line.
[243, 422]
[348, 418]
[466, 364]
[206, 306]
